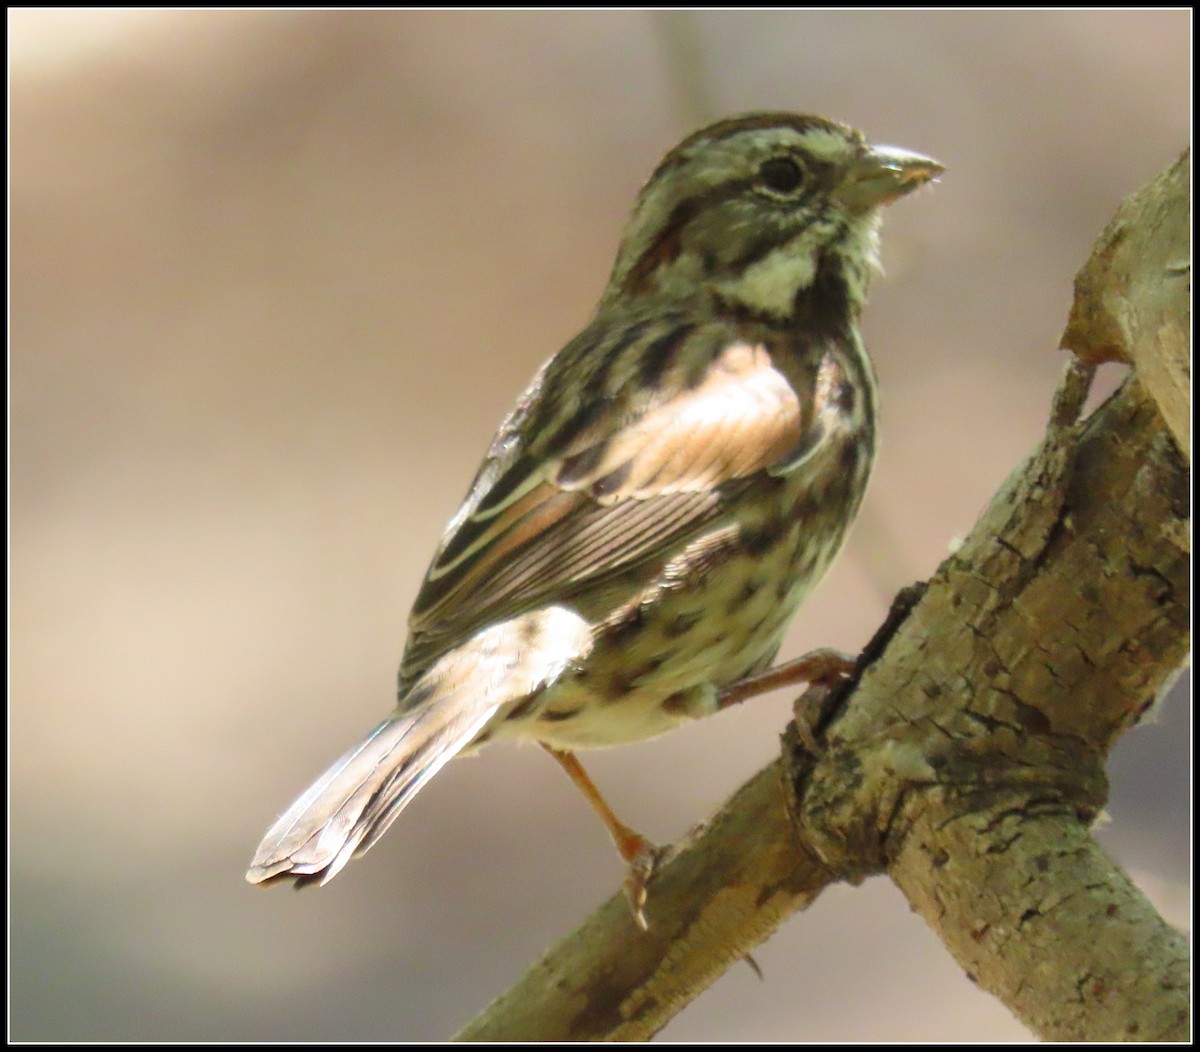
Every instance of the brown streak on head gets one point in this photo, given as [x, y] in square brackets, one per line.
[663, 250]
[747, 122]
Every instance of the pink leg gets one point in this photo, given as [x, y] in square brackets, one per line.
[635, 849]
[818, 666]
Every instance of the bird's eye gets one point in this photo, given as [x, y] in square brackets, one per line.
[781, 175]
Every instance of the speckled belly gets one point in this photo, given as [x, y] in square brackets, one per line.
[715, 612]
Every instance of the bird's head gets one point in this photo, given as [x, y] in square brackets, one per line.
[761, 209]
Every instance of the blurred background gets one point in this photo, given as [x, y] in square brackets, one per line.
[276, 277]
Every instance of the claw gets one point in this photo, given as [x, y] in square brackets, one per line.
[637, 880]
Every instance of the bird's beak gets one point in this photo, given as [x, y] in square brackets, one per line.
[881, 174]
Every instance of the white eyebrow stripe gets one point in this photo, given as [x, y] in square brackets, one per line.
[825, 144]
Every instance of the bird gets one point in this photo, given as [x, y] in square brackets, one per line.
[662, 497]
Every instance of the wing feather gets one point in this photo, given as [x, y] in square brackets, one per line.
[559, 507]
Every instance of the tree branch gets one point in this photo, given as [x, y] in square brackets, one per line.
[966, 759]
[1131, 297]
[977, 740]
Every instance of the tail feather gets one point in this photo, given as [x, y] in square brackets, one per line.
[348, 808]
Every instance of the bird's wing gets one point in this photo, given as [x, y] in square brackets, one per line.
[608, 461]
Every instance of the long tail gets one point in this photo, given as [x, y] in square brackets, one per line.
[351, 805]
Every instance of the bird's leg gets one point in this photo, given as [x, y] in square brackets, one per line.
[824, 666]
[635, 849]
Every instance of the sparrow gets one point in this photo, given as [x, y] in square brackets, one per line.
[661, 499]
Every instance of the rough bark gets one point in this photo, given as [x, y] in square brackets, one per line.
[969, 761]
